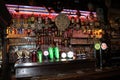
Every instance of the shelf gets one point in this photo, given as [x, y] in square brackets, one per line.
[21, 44]
[81, 44]
[22, 41]
[115, 39]
[81, 38]
[116, 36]
[81, 41]
[21, 37]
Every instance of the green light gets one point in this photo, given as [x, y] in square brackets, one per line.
[97, 46]
[56, 49]
[39, 55]
[50, 49]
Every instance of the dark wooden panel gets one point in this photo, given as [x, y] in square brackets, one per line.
[53, 68]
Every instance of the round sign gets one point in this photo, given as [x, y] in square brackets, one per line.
[104, 46]
[63, 55]
[97, 46]
[45, 53]
[62, 21]
[70, 54]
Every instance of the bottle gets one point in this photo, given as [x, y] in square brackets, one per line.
[25, 21]
[56, 31]
[32, 18]
[78, 23]
[34, 56]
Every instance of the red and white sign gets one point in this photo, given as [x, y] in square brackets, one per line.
[104, 46]
[45, 53]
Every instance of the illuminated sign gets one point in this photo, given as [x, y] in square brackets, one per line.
[63, 55]
[50, 49]
[56, 50]
[70, 54]
[28, 9]
[97, 46]
[39, 55]
[103, 46]
[45, 53]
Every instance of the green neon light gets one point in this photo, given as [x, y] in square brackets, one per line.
[97, 46]
[50, 49]
[39, 56]
[56, 49]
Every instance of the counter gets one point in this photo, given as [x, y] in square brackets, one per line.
[52, 68]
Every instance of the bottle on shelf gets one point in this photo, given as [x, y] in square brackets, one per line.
[18, 23]
[32, 18]
[71, 27]
[25, 21]
[34, 56]
[78, 23]
[83, 54]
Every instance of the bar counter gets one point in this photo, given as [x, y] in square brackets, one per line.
[51, 68]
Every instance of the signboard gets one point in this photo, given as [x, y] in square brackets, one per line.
[97, 46]
[103, 46]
